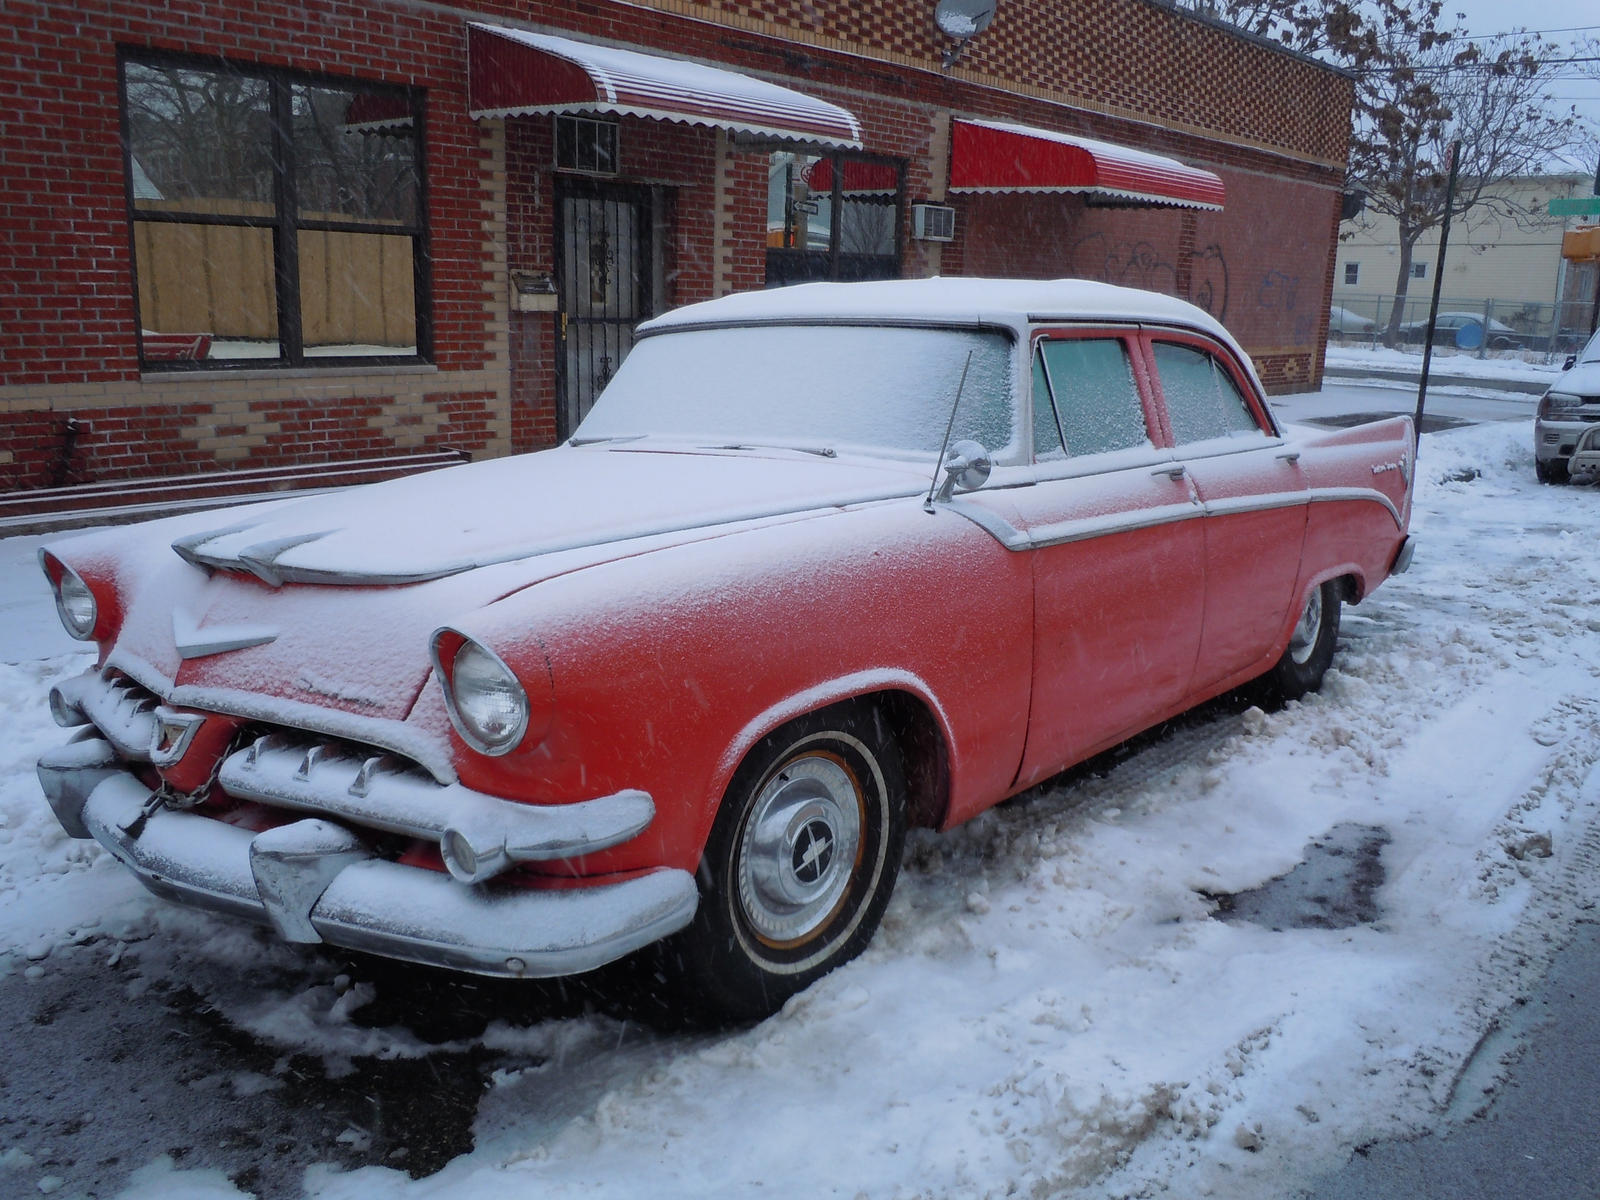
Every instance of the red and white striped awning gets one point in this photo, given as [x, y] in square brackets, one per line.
[857, 179]
[990, 156]
[512, 72]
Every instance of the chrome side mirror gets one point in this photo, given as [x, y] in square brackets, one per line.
[966, 468]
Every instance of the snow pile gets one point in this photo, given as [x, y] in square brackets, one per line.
[1053, 1004]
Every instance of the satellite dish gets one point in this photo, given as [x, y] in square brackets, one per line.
[964, 18]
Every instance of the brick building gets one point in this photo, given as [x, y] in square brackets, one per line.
[245, 233]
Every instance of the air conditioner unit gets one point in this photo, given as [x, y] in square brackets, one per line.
[933, 223]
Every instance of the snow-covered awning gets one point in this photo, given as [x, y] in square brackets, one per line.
[512, 72]
[990, 156]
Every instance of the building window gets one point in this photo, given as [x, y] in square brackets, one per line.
[277, 219]
[832, 216]
[1352, 274]
[1419, 270]
[584, 144]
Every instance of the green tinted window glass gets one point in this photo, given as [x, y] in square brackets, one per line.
[1096, 397]
[1202, 400]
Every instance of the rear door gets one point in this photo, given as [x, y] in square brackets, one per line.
[1117, 548]
[1254, 495]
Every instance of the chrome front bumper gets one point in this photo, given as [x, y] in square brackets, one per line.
[316, 881]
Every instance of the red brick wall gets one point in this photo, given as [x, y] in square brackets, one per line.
[1126, 70]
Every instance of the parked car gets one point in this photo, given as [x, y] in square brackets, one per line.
[822, 563]
[1464, 329]
[1344, 324]
[1566, 425]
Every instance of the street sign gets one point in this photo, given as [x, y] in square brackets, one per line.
[1576, 206]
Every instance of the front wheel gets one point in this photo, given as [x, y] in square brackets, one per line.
[1553, 470]
[799, 866]
[1310, 651]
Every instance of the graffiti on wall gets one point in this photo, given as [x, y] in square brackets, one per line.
[1141, 265]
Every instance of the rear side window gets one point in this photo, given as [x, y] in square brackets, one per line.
[1203, 402]
[1089, 381]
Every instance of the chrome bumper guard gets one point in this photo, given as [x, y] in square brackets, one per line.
[315, 881]
[1585, 458]
[478, 835]
[1403, 556]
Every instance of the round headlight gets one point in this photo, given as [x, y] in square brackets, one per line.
[487, 704]
[75, 604]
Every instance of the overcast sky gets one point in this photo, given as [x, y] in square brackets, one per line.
[1567, 20]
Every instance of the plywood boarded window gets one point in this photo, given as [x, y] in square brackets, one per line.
[276, 219]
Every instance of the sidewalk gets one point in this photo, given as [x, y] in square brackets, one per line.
[1448, 368]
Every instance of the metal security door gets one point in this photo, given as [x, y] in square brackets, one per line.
[603, 264]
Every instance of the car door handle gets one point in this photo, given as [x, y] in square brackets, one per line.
[1172, 471]
[1289, 456]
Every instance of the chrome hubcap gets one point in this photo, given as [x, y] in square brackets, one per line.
[799, 848]
[1304, 638]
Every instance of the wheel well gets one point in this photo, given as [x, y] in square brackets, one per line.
[924, 755]
[1349, 589]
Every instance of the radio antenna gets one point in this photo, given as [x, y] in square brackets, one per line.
[938, 465]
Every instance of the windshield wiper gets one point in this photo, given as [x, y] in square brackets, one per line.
[819, 451]
[595, 441]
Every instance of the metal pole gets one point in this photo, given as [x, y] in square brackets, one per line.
[1438, 284]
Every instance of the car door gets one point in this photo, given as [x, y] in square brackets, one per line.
[1112, 526]
[1254, 493]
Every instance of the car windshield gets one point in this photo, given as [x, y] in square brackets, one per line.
[824, 388]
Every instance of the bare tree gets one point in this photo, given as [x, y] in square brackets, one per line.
[1420, 87]
[1428, 93]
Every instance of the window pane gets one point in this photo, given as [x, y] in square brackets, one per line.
[1202, 401]
[357, 293]
[1046, 437]
[1095, 393]
[837, 386]
[355, 155]
[205, 291]
[200, 141]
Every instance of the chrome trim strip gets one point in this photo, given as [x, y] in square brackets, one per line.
[1081, 529]
[1260, 503]
[506, 931]
[991, 522]
[1327, 495]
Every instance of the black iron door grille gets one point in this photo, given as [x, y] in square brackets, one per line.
[603, 269]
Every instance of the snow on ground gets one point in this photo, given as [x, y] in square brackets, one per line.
[1052, 1005]
[1528, 365]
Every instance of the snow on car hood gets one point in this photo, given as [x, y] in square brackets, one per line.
[1581, 380]
[430, 526]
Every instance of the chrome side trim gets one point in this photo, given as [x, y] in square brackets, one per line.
[1081, 529]
[991, 522]
[1333, 495]
[1245, 504]
[505, 931]
[378, 793]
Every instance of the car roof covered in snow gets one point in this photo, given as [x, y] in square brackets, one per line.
[1012, 302]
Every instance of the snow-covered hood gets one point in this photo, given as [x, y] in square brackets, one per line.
[431, 526]
[1582, 380]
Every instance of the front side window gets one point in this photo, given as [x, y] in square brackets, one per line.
[1090, 383]
[1203, 402]
[276, 219]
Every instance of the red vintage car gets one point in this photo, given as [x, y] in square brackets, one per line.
[822, 563]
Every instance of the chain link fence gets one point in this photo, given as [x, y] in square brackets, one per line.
[1483, 328]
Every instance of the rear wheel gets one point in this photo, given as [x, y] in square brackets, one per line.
[799, 866]
[1310, 651]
